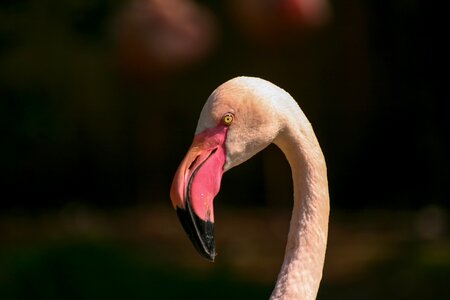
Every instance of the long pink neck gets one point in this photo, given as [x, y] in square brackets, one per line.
[301, 271]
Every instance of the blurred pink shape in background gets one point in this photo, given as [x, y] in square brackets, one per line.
[270, 22]
[159, 37]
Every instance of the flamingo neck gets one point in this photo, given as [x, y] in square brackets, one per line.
[302, 267]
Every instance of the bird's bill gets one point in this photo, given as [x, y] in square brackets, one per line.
[196, 183]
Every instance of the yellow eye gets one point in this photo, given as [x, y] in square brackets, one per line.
[228, 119]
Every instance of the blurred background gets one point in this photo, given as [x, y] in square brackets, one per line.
[98, 105]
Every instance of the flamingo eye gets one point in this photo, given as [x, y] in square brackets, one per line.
[228, 119]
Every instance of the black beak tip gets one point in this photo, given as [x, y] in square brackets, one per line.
[210, 256]
[200, 232]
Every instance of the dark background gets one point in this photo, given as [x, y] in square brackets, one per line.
[94, 125]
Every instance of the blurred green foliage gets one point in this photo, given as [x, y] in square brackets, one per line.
[90, 270]
[98, 271]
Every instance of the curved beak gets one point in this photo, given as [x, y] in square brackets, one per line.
[196, 183]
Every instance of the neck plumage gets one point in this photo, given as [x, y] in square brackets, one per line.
[301, 271]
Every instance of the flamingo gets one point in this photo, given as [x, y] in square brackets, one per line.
[239, 119]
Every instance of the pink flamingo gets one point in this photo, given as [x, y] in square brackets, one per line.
[239, 119]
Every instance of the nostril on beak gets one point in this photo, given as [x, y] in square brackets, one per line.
[193, 163]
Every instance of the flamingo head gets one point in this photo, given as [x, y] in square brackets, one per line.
[239, 119]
